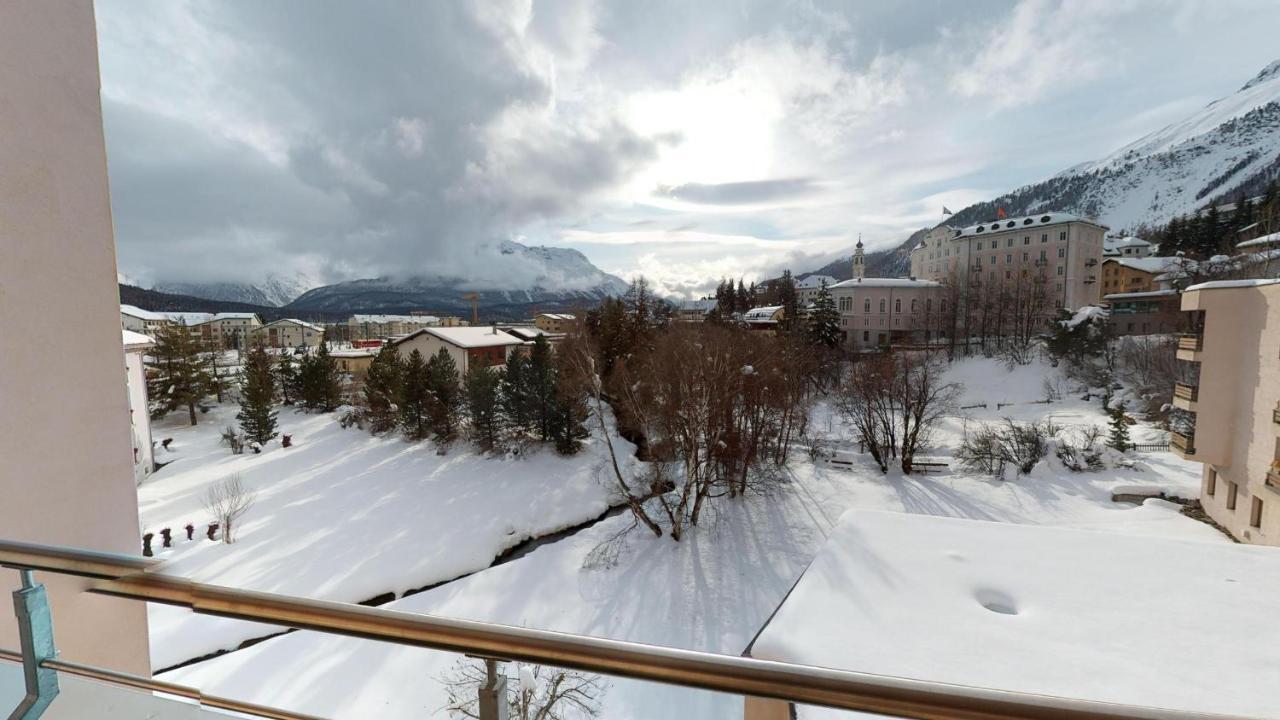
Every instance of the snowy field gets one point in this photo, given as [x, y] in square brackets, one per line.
[345, 516]
[714, 590]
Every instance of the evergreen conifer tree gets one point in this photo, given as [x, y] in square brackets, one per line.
[288, 378]
[515, 399]
[789, 301]
[321, 381]
[1118, 436]
[177, 377]
[542, 387]
[383, 386]
[824, 320]
[415, 401]
[257, 415]
[482, 398]
[443, 388]
[743, 302]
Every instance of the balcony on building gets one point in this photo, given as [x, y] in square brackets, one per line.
[1273, 476]
[1183, 444]
[1185, 396]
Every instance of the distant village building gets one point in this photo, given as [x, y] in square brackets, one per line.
[372, 327]
[1231, 391]
[137, 320]
[1066, 248]
[1135, 274]
[555, 322]
[876, 312]
[1126, 247]
[136, 346]
[288, 332]
[354, 361]
[764, 318]
[1149, 312]
[807, 289]
[469, 346]
[694, 310]
[227, 329]
[531, 333]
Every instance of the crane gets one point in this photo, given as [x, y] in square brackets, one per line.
[475, 306]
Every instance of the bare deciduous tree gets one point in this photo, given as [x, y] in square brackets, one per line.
[539, 692]
[228, 500]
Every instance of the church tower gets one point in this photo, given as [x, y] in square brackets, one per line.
[859, 265]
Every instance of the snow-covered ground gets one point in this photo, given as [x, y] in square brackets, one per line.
[714, 590]
[345, 516]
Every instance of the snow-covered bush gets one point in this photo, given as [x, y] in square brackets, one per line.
[1078, 448]
[992, 449]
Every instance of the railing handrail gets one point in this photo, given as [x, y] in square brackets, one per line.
[136, 578]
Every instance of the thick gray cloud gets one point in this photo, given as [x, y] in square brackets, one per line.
[354, 138]
[741, 193]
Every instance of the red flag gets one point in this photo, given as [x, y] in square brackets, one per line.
[1000, 214]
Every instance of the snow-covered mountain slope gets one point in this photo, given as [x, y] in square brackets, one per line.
[274, 289]
[532, 275]
[1232, 144]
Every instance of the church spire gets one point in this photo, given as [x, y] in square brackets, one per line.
[859, 265]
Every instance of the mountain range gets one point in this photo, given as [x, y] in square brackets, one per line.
[1229, 147]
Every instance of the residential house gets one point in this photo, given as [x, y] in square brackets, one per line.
[559, 323]
[354, 361]
[1066, 248]
[807, 288]
[136, 346]
[469, 346]
[876, 312]
[764, 318]
[1135, 274]
[694, 310]
[1126, 247]
[288, 332]
[146, 322]
[371, 327]
[1230, 395]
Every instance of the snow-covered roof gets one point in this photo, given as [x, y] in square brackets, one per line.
[1018, 223]
[1085, 314]
[235, 316]
[426, 319]
[188, 318]
[141, 314]
[136, 340]
[1140, 295]
[1124, 242]
[467, 336]
[295, 321]
[1149, 264]
[704, 305]
[813, 282]
[354, 353]
[1272, 239]
[558, 316]
[1056, 611]
[761, 314]
[885, 282]
[1216, 284]
[529, 332]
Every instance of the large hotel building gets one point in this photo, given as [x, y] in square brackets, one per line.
[1067, 249]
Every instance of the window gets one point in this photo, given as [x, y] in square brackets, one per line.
[1025, 257]
[866, 305]
[913, 304]
[1026, 240]
[866, 336]
[944, 306]
[993, 259]
[1044, 237]
[1232, 491]
[1210, 482]
[882, 304]
[1010, 243]
[1060, 269]
[897, 305]
[1255, 513]
[1008, 258]
[1062, 235]
[928, 305]
[1042, 255]
[1062, 252]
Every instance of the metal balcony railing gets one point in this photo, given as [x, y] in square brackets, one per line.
[1186, 391]
[1184, 443]
[1191, 341]
[138, 579]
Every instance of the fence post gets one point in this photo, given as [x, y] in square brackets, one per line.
[493, 694]
[35, 638]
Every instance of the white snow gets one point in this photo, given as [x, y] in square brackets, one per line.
[428, 319]
[1232, 284]
[1037, 220]
[1085, 314]
[1272, 239]
[715, 589]
[133, 339]
[345, 516]
[1108, 617]
[468, 337]
[885, 282]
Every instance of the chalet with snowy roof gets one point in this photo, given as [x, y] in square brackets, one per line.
[1065, 249]
[1052, 609]
[354, 361]
[879, 312]
[694, 310]
[1136, 274]
[288, 332]
[1259, 244]
[469, 346]
[558, 323]
[1126, 247]
[373, 327]
[764, 318]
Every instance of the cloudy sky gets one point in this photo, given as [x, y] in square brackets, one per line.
[680, 140]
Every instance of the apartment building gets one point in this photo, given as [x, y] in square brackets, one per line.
[135, 319]
[227, 329]
[807, 289]
[876, 312]
[1066, 249]
[1144, 313]
[1231, 393]
[1126, 247]
[1136, 274]
[373, 327]
[288, 332]
[469, 346]
[554, 322]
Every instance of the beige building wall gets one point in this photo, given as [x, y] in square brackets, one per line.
[1236, 436]
[68, 476]
[881, 311]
